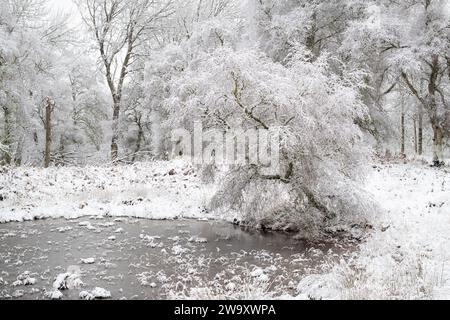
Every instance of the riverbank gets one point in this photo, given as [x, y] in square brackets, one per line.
[409, 256]
[405, 256]
[158, 190]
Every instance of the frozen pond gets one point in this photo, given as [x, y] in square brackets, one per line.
[145, 259]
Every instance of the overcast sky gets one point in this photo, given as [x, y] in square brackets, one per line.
[62, 4]
[66, 6]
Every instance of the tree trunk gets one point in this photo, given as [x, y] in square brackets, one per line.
[438, 144]
[7, 138]
[430, 104]
[402, 137]
[420, 132]
[311, 38]
[117, 98]
[416, 145]
[19, 152]
[48, 132]
[438, 139]
[115, 131]
[139, 142]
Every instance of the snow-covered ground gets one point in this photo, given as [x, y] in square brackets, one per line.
[408, 254]
[160, 190]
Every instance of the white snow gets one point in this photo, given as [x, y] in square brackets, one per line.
[18, 293]
[85, 295]
[142, 190]
[198, 240]
[54, 295]
[177, 250]
[97, 293]
[100, 293]
[67, 281]
[17, 283]
[88, 261]
[257, 272]
[29, 281]
[24, 279]
[407, 255]
[60, 281]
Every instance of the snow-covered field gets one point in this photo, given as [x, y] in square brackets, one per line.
[406, 256]
[161, 190]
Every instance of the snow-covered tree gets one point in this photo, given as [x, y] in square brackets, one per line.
[410, 41]
[226, 87]
[26, 66]
[120, 28]
[80, 113]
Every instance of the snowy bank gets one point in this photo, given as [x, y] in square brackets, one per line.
[159, 190]
[408, 257]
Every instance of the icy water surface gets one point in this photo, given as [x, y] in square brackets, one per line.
[144, 259]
